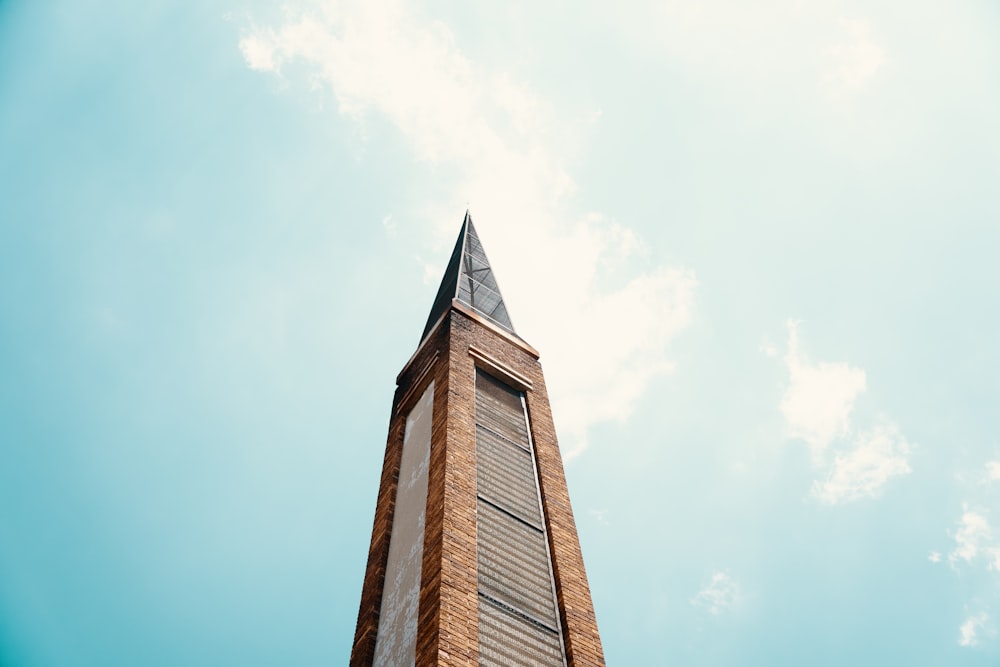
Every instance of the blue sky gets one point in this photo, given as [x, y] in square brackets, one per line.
[754, 245]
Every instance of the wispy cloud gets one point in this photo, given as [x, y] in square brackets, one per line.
[820, 397]
[720, 594]
[972, 534]
[259, 52]
[970, 630]
[975, 541]
[974, 556]
[503, 148]
[818, 406]
[993, 471]
[877, 455]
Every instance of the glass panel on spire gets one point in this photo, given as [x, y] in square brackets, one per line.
[469, 279]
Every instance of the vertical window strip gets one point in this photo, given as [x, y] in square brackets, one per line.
[518, 609]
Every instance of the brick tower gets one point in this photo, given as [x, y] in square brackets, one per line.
[474, 557]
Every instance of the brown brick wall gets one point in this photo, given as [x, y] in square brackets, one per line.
[448, 588]
[448, 617]
[576, 609]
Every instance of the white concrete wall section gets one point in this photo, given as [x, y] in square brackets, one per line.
[396, 645]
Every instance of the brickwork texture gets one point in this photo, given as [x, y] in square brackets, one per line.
[447, 632]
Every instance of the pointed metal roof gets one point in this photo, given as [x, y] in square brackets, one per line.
[469, 279]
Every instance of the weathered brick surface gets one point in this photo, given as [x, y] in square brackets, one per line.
[459, 601]
[448, 617]
[576, 609]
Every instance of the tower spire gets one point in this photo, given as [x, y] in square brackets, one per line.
[474, 557]
[469, 279]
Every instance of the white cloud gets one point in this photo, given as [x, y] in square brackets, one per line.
[993, 470]
[720, 594]
[818, 406]
[975, 557]
[877, 456]
[975, 541]
[973, 532]
[934, 557]
[971, 628]
[259, 53]
[818, 402]
[854, 62]
[503, 149]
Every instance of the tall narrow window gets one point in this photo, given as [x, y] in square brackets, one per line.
[518, 614]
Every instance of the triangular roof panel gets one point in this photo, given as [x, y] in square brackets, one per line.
[470, 280]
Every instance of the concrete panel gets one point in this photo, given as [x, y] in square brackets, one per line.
[397, 628]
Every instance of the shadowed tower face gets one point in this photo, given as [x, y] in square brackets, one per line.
[474, 558]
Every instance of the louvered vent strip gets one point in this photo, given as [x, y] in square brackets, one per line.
[505, 639]
[518, 615]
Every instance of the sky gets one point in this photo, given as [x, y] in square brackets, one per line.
[754, 244]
